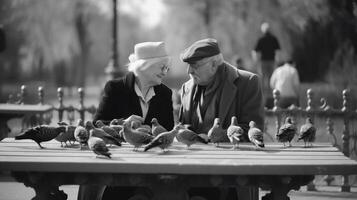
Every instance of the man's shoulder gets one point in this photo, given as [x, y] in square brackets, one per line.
[245, 73]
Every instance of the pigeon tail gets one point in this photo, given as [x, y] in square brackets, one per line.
[22, 136]
[107, 154]
[200, 139]
[260, 144]
[152, 145]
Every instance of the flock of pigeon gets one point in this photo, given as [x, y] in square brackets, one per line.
[99, 137]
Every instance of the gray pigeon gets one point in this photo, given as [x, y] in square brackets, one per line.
[135, 137]
[41, 133]
[164, 140]
[97, 132]
[255, 135]
[235, 133]
[110, 130]
[81, 134]
[188, 137]
[307, 132]
[98, 146]
[68, 135]
[156, 128]
[286, 132]
[116, 122]
[217, 134]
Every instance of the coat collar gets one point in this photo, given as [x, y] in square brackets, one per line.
[130, 83]
[230, 89]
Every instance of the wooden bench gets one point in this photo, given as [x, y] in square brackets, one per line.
[275, 167]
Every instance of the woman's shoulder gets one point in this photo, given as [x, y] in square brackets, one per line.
[163, 89]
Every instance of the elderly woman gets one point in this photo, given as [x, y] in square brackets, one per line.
[141, 91]
[141, 96]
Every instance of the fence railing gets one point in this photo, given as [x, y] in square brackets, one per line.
[274, 117]
[329, 114]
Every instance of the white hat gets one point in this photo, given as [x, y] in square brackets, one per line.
[148, 50]
[147, 53]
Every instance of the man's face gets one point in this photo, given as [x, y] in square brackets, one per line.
[201, 72]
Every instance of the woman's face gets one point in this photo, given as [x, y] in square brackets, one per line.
[154, 73]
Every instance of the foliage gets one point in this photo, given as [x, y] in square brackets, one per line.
[311, 32]
[74, 36]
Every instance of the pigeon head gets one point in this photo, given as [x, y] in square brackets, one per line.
[117, 122]
[135, 124]
[234, 120]
[309, 120]
[289, 120]
[62, 123]
[99, 123]
[217, 121]
[89, 125]
[252, 124]
[154, 121]
[80, 122]
[179, 126]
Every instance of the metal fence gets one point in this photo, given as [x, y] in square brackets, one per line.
[315, 109]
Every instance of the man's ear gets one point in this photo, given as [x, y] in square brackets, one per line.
[214, 66]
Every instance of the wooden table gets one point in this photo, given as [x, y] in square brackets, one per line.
[26, 112]
[280, 169]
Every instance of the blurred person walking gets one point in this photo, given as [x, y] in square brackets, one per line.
[2, 39]
[286, 79]
[2, 49]
[265, 55]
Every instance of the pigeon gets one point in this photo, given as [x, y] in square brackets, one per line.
[117, 128]
[68, 135]
[98, 146]
[117, 125]
[217, 134]
[164, 139]
[135, 137]
[255, 135]
[110, 130]
[286, 132]
[135, 124]
[188, 137]
[307, 132]
[81, 134]
[156, 128]
[97, 132]
[41, 133]
[134, 118]
[4, 130]
[235, 133]
[144, 128]
[116, 122]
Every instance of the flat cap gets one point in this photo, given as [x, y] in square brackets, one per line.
[201, 49]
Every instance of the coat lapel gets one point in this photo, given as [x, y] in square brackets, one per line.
[186, 96]
[229, 91]
[134, 103]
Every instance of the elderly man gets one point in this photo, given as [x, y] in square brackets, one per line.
[217, 89]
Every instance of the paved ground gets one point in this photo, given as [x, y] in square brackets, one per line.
[16, 191]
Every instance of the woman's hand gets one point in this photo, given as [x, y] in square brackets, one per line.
[134, 118]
